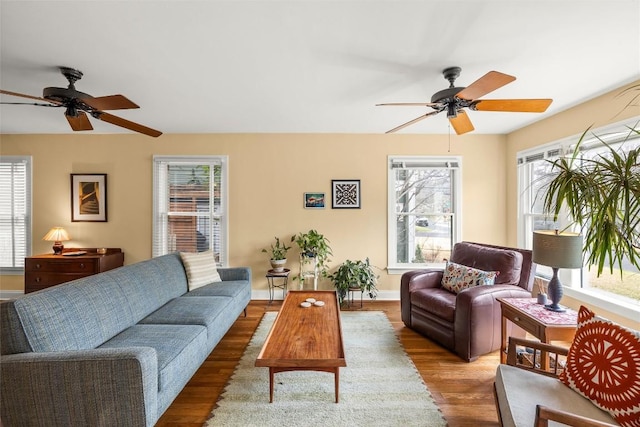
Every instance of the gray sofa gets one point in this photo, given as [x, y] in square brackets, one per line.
[113, 349]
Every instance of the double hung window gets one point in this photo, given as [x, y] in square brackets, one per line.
[189, 206]
[15, 212]
[424, 210]
[534, 171]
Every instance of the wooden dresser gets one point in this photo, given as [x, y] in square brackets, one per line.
[43, 271]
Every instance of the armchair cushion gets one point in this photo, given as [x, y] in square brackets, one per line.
[457, 277]
[603, 365]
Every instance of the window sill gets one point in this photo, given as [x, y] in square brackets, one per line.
[622, 307]
[401, 269]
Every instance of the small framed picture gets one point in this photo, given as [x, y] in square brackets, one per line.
[89, 197]
[345, 193]
[314, 200]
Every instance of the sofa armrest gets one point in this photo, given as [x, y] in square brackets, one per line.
[412, 281]
[539, 350]
[234, 273]
[97, 387]
[477, 318]
[545, 414]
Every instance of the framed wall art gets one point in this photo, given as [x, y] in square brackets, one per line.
[314, 200]
[345, 193]
[89, 197]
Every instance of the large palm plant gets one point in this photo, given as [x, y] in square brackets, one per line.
[602, 196]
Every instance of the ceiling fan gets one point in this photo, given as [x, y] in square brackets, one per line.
[454, 99]
[77, 104]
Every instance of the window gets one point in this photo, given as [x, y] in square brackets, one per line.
[15, 212]
[424, 210]
[534, 164]
[189, 206]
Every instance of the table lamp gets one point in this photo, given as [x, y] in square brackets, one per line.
[557, 250]
[57, 235]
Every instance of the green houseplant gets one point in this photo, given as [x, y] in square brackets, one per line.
[278, 255]
[314, 245]
[602, 196]
[358, 275]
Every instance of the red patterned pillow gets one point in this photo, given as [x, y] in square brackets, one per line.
[603, 365]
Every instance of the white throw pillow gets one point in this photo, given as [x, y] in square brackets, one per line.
[201, 268]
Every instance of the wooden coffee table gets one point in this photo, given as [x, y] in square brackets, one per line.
[305, 339]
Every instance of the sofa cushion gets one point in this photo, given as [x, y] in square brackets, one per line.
[507, 262]
[180, 348]
[201, 268]
[436, 301]
[231, 289]
[77, 315]
[603, 365]
[457, 277]
[519, 391]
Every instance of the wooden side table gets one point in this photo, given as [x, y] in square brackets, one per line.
[271, 276]
[543, 324]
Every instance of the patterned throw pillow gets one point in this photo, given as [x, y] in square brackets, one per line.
[201, 268]
[603, 365]
[459, 277]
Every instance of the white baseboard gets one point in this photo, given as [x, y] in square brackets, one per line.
[10, 294]
[382, 295]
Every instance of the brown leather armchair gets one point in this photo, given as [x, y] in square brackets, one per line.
[467, 323]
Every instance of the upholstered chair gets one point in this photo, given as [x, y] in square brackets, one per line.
[467, 321]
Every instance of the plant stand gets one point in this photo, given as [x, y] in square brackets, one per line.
[308, 272]
[271, 276]
[351, 296]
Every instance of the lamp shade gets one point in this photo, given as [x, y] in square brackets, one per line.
[557, 250]
[56, 234]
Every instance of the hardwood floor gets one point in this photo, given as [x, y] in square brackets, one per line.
[463, 391]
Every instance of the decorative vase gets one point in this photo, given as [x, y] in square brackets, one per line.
[278, 265]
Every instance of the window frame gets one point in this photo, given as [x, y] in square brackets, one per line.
[217, 214]
[17, 268]
[575, 281]
[453, 163]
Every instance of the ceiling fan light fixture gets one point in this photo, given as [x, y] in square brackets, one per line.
[452, 113]
[72, 111]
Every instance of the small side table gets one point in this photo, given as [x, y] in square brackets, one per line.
[543, 324]
[271, 276]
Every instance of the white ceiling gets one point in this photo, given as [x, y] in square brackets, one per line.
[310, 66]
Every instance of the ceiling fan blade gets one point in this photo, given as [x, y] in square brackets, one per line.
[79, 122]
[119, 121]
[485, 84]
[410, 104]
[410, 122]
[513, 105]
[111, 102]
[22, 95]
[461, 123]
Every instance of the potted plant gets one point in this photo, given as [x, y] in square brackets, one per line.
[278, 255]
[313, 247]
[355, 275]
[602, 195]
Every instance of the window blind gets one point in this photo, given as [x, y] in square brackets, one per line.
[189, 205]
[15, 212]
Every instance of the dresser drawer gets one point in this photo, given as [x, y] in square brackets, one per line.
[43, 271]
[524, 322]
[85, 265]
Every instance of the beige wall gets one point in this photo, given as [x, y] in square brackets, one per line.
[268, 174]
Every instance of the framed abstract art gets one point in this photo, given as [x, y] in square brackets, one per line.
[345, 193]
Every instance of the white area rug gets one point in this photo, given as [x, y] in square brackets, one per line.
[379, 387]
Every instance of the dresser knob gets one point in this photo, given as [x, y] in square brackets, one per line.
[37, 280]
[516, 319]
[81, 265]
[37, 265]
